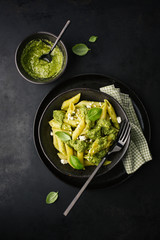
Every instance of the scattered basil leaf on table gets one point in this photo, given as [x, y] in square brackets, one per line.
[75, 162]
[63, 136]
[93, 38]
[94, 113]
[51, 197]
[80, 49]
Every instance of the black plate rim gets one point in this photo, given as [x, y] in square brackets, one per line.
[80, 90]
[114, 80]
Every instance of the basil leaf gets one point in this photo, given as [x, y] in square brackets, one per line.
[51, 197]
[93, 38]
[80, 49]
[75, 162]
[63, 136]
[94, 113]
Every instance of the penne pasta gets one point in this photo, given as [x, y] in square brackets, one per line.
[61, 156]
[54, 124]
[61, 146]
[112, 115]
[70, 110]
[73, 100]
[61, 130]
[104, 110]
[89, 104]
[55, 141]
[80, 156]
[72, 123]
[94, 148]
[69, 152]
[78, 129]
[87, 163]
[83, 131]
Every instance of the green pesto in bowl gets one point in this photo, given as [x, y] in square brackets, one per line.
[36, 67]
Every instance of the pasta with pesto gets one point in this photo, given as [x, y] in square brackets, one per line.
[83, 131]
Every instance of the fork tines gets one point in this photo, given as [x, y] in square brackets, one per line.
[125, 130]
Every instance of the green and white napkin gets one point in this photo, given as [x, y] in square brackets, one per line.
[138, 152]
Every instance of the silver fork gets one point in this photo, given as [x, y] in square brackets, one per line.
[122, 139]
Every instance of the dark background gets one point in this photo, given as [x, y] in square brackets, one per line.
[128, 49]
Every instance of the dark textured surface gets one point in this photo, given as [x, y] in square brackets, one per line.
[127, 48]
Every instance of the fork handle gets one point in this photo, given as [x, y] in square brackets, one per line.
[84, 186]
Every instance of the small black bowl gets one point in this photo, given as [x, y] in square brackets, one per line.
[46, 142]
[37, 36]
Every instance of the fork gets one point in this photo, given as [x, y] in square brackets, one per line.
[122, 139]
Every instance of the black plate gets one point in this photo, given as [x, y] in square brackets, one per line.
[46, 141]
[117, 174]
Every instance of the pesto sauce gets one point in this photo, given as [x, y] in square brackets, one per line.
[95, 159]
[38, 68]
[58, 116]
[100, 130]
[79, 146]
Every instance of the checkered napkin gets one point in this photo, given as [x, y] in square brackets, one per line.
[138, 152]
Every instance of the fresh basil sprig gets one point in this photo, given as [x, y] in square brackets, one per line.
[75, 162]
[94, 113]
[63, 136]
[80, 49]
[93, 38]
[51, 197]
